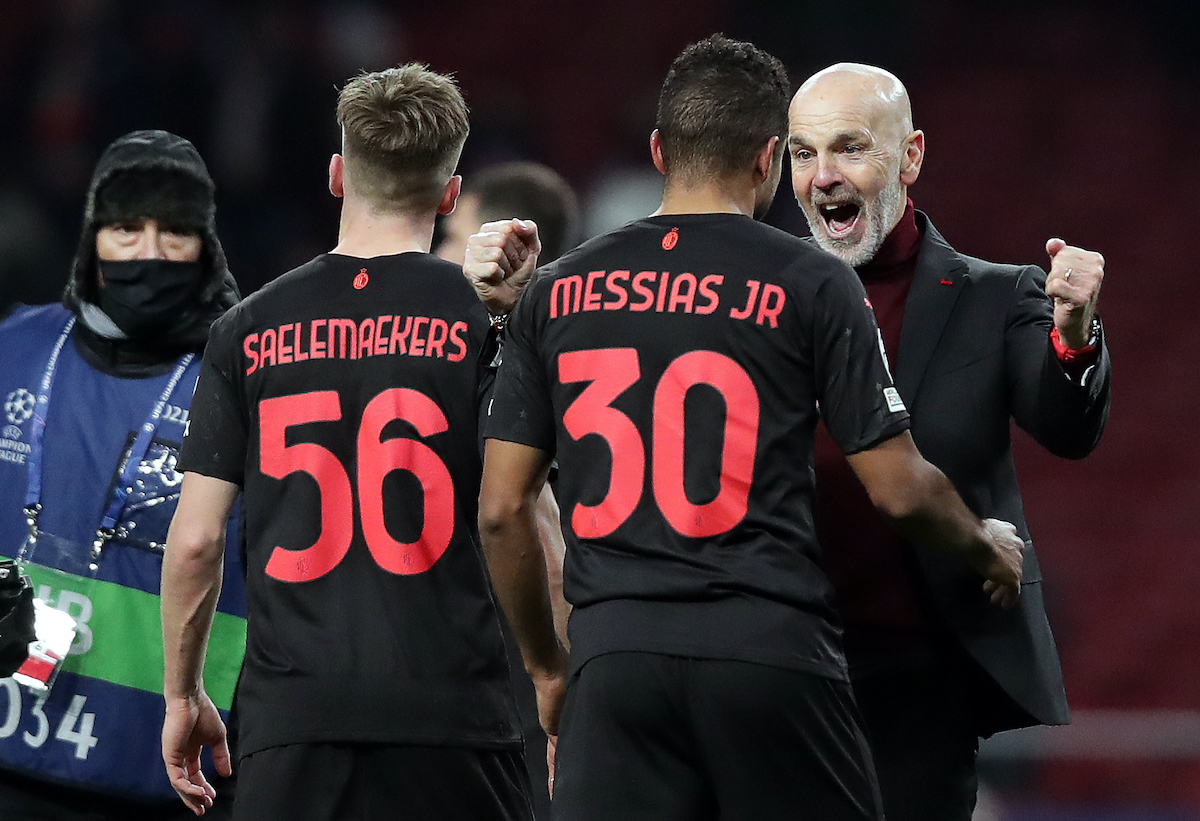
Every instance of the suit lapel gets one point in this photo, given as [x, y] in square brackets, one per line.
[937, 282]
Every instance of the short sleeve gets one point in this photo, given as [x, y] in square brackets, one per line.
[520, 407]
[859, 402]
[215, 442]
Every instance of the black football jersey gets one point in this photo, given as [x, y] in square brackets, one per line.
[675, 369]
[344, 397]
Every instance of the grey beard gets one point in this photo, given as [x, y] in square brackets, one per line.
[891, 201]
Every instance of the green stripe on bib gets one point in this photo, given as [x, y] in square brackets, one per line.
[119, 638]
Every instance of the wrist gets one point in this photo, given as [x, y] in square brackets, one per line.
[182, 699]
[1068, 350]
[550, 664]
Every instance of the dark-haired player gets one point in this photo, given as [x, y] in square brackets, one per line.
[343, 397]
[676, 368]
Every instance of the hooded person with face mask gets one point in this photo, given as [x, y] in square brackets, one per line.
[96, 394]
[145, 303]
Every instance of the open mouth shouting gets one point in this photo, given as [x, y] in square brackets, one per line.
[839, 218]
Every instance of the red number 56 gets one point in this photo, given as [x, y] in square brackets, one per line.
[376, 459]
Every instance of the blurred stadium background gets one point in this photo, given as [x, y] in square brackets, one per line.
[1076, 119]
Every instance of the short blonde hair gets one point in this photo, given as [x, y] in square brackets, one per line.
[402, 132]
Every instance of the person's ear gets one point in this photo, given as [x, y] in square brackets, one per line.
[450, 195]
[656, 152]
[337, 172]
[914, 154]
[764, 161]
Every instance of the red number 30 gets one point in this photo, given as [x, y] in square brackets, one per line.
[609, 372]
[376, 459]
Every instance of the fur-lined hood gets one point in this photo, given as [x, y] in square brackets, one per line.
[182, 194]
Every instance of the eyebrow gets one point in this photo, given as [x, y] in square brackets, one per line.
[852, 137]
[842, 138]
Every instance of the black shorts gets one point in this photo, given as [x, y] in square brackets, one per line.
[369, 782]
[30, 799]
[648, 736]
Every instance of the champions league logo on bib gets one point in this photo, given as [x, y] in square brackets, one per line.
[18, 406]
[18, 409]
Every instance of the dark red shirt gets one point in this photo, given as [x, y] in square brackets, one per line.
[867, 561]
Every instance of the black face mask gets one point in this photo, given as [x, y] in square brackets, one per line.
[147, 296]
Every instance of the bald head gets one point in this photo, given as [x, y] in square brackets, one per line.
[854, 154]
[877, 94]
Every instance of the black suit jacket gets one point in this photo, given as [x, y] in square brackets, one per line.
[974, 353]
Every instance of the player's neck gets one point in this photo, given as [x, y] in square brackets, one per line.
[706, 198]
[365, 233]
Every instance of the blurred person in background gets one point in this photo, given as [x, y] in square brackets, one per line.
[97, 392]
[521, 189]
[526, 191]
[973, 346]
